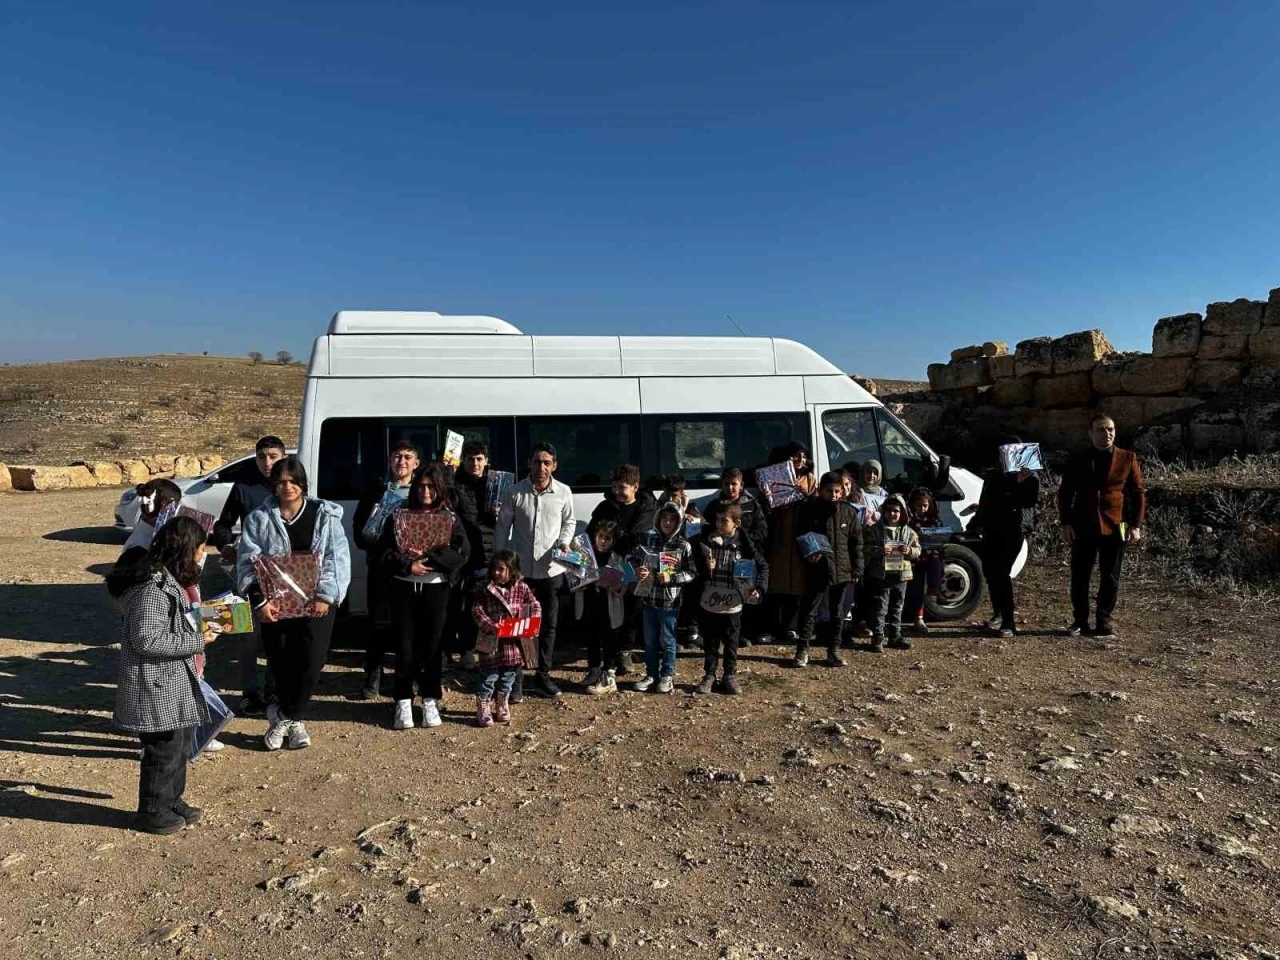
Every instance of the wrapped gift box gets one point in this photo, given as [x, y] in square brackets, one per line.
[289, 581]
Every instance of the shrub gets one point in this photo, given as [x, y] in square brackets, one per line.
[284, 357]
[255, 356]
[133, 416]
[114, 441]
[265, 392]
[253, 431]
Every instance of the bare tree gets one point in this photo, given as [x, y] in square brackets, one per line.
[284, 357]
[255, 356]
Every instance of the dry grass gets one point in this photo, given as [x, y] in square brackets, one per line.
[58, 412]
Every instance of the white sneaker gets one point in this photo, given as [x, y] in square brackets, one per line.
[431, 714]
[404, 715]
[213, 746]
[666, 684]
[299, 739]
[592, 677]
[642, 686]
[277, 728]
[606, 684]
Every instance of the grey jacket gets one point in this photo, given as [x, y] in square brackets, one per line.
[264, 534]
[156, 688]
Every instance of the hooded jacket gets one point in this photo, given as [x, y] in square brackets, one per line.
[634, 520]
[882, 535]
[468, 501]
[264, 534]
[839, 523]
[666, 596]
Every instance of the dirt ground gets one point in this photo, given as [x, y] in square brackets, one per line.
[1039, 797]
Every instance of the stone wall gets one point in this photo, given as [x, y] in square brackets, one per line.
[107, 473]
[1209, 386]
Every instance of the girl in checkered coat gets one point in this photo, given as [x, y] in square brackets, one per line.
[505, 596]
[157, 694]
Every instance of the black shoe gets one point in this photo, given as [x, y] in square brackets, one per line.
[901, 643]
[372, 688]
[252, 705]
[1075, 630]
[187, 812]
[545, 687]
[877, 644]
[729, 685]
[1005, 633]
[624, 664]
[765, 639]
[1104, 632]
[162, 824]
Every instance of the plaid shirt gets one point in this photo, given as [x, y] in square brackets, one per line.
[666, 596]
[726, 553]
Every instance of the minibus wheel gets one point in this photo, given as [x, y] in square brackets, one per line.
[963, 585]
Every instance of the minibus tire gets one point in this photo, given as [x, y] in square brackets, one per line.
[963, 585]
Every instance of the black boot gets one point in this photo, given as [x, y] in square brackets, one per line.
[372, 687]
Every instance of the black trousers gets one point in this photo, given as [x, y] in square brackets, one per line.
[604, 641]
[1108, 553]
[419, 612]
[250, 651]
[782, 614]
[461, 631]
[163, 779]
[297, 649]
[998, 557]
[379, 637]
[690, 610]
[720, 631]
[547, 592]
[809, 606]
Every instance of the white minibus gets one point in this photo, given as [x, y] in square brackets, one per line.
[689, 405]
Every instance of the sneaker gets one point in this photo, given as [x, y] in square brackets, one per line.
[607, 684]
[1075, 630]
[666, 684]
[802, 657]
[545, 687]
[877, 644]
[1104, 632]
[1005, 633]
[277, 728]
[730, 685]
[431, 714]
[793, 637]
[592, 677]
[866, 633]
[834, 659]
[252, 705]
[404, 715]
[161, 824]
[299, 739]
[483, 717]
[187, 812]
[900, 643]
[501, 708]
[993, 623]
[920, 628]
[468, 660]
[642, 686]
[706, 684]
[765, 639]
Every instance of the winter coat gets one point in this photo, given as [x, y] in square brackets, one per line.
[469, 503]
[1094, 504]
[371, 497]
[614, 603]
[533, 524]
[634, 532]
[881, 536]
[449, 560]
[243, 500]
[838, 522]
[1007, 507]
[754, 523]
[666, 596]
[726, 551]
[494, 603]
[264, 534]
[156, 687]
[788, 571]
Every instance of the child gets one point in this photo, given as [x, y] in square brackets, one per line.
[600, 607]
[674, 490]
[828, 575]
[660, 601]
[505, 596]
[871, 474]
[891, 546]
[722, 597]
[926, 573]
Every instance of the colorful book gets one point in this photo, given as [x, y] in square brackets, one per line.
[935, 536]
[586, 572]
[813, 543]
[1020, 456]
[289, 581]
[418, 532]
[230, 614]
[496, 485]
[452, 456]
[381, 510]
[611, 578]
[777, 484]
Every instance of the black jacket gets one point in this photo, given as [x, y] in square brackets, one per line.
[754, 523]
[1007, 508]
[450, 559]
[634, 520]
[838, 522]
[243, 500]
[364, 508]
[468, 503]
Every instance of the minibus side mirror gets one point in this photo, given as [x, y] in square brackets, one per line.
[941, 474]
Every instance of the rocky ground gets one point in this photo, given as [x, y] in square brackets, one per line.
[971, 797]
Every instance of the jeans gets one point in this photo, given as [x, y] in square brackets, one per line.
[501, 678]
[720, 630]
[889, 599]
[1108, 552]
[163, 778]
[659, 641]
[420, 612]
[297, 649]
[812, 603]
[547, 593]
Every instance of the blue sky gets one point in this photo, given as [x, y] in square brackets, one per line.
[883, 181]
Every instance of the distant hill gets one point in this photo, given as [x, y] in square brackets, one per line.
[134, 406]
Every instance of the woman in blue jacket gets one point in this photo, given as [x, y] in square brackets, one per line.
[296, 647]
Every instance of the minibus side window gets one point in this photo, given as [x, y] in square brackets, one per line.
[905, 464]
[700, 446]
[850, 436]
[587, 448]
[353, 453]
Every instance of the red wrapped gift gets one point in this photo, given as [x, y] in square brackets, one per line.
[418, 532]
[289, 581]
[206, 520]
[513, 628]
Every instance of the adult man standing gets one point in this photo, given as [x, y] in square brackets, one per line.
[536, 517]
[246, 497]
[402, 461]
[1101, 506]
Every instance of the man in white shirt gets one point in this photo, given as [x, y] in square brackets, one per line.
[536, 518]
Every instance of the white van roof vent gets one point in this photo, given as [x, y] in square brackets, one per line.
[415, 321]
